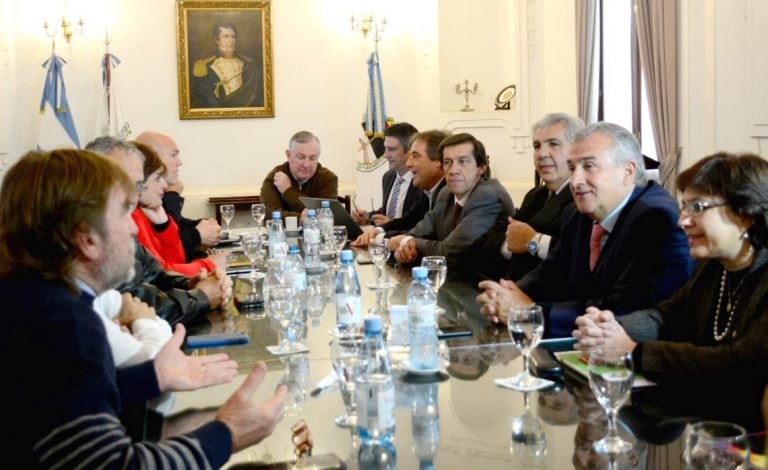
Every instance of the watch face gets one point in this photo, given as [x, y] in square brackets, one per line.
[533, 247]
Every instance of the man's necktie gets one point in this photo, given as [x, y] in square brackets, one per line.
[594, 244]
[456, 214]
[392, 206]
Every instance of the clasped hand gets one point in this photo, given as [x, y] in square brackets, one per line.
[598, 328]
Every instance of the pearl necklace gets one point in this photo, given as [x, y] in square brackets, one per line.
[730, 309]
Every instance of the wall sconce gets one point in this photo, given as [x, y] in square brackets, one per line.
[71, 19]
[369, 23]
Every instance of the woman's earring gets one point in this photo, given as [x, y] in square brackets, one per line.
[744, 235]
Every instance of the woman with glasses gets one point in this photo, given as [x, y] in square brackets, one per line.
[711, 336]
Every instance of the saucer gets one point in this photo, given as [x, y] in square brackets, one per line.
[405, 364]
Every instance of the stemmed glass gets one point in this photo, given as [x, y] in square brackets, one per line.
[528, 441]
[378, 250]
[610, 376]
[284, 306]
[227, 214]
[258, 211]
[295, 380]
[348, 362]
[437, 270]
[716, 445]
[339, 234]
[526, 326]
[252, 250]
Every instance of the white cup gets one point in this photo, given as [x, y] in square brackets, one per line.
[291, 224]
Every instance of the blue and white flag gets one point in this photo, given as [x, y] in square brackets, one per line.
[370, 171]
[112, 119]
[54, 104]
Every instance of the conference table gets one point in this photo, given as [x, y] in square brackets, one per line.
[476, 417]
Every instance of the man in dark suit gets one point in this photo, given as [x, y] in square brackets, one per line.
[620, 248]
[535, 230]
[427, 177]
[398, 193]
[467, 210]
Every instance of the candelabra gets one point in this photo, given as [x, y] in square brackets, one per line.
[467, 90]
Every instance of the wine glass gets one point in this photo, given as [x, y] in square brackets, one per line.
[716, 445]
[227, 214]
[295, 378]
[348, 362]
[258, 211]
[339, 234]
[252, 250]
[283, 304]
[378, 250]
[528, 441]
[610, 376]
[526, 326]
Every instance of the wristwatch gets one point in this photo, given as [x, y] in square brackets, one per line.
[533, 245]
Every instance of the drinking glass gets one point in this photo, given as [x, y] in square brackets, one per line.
[339, 234]
[258, 211]
[437, 270]
[717, 445]
[227, 214]
[284, 306]
[528, 441]
[378, 250]
[526, 326]
[295, 378]
[348, 362]
[610, 376]
[252, 250]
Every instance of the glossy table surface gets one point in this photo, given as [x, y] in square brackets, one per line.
[476, 417]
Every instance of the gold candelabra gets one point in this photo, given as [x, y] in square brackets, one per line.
[466, 90]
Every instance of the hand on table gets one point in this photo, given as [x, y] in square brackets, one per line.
[379, 219]
[133, 309]
[599, 328]
[363, 239]
[498, 297]
[210, 232]
[407, 252]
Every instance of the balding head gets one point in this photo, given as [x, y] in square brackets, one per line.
[168, 151]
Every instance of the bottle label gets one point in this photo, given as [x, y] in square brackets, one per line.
[386, 399]
[349, 309]
[278, 249]
[422, 316]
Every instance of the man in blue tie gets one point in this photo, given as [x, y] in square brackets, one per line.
[620, 247]
[398, 193]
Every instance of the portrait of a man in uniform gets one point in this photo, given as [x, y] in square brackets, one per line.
[225, 59]
[226, 79]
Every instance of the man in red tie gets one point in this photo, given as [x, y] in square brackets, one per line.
[620, 248]
[466, 211]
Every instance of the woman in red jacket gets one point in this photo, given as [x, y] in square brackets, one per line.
[158, 233]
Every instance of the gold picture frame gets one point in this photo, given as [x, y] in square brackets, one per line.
[225, 59]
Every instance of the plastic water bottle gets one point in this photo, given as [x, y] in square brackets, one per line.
[311, 233]
[425, 424]
[377, 455]
[278, 245]
[375, 388]
[349, 304]
[325, 217]
[295, 273]
[422, 323]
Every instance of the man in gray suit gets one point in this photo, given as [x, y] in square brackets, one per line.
[467, 210]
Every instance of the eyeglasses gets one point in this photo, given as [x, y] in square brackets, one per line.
[141, 186]
[697, 207]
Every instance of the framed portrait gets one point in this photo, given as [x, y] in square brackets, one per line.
[225, 59]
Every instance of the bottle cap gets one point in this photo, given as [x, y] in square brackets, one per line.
[325, 204]
[346, 255]
[293, 250]
[276, 215]
[311, 213]
[419, 272]
[372, 324]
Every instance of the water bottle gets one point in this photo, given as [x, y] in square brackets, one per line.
[377, 455]
[425, 424]
[422, 323]
[325, 217]
[375, 388]
[295, 270]
[349, 304]
[311, 233]
[278, 245]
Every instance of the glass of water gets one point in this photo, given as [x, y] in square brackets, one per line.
[525, 324]
[252, 250]
[258, 212]
[348, 362]
[611, 374]
[227, 214]
[716, 445]
[378, 250]
[284, 306]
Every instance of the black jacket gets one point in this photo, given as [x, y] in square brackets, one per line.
[165, 291]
